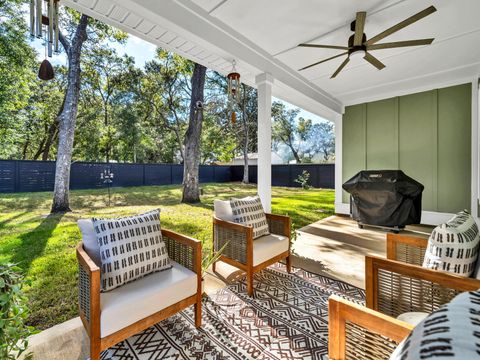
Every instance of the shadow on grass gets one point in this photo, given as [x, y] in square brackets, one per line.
[7, 221]
[33, 243]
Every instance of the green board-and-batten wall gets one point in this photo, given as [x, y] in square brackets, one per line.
[427, 135]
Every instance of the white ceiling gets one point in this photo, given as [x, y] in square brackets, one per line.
[262, 36]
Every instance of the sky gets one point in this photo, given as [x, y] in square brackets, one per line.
[143, 51]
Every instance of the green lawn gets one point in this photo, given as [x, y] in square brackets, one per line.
[44, 246]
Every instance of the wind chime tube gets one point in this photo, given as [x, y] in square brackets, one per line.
[56, 30]
[50, 27]
[32, 18]
[39, 18]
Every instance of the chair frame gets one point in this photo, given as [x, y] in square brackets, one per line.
[375, 335]
[182, 249]
[238, 250]
[403, 268]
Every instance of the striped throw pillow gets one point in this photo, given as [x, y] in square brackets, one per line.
[451, 332]
[453, 247]
[130, 248]
[249, 211]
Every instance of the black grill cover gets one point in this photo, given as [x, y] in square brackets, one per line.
[385, 198]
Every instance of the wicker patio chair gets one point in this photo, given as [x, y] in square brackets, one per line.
[241, 251]
[185, 251]
[358, 333]
[400, 284]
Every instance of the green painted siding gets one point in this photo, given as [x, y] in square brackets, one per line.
[427, 135]
[454, 148]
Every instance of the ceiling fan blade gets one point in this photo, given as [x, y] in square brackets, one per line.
[374, 61]
[398, 44]
[401, 25]
[340, 68]
[359, 26]
[325, 46]
[322, 61]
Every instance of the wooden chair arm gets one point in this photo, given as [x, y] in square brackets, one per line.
[373, 332]
[279, 224]
[89, 287]
[183, 249]
[394, 287]
[232, 225]
[406, 248]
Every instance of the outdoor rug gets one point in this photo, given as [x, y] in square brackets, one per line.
[286, 319]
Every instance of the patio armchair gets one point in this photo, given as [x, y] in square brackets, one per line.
[399, 284]
[359, 333]
[240, 250]
[114, 316]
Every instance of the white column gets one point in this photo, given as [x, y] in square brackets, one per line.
[340, 207]
[264, 169]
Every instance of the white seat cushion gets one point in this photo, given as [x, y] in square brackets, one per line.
[412, 318]
[143, 297]
[268, 246]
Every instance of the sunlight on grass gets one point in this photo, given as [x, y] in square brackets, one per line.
[44, 246]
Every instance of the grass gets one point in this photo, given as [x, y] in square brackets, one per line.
[44, 246]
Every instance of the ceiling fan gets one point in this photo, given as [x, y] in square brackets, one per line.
[359, 46]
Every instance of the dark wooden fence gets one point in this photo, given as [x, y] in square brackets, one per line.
[30, 176]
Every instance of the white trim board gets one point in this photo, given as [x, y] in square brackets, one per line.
[428, 217]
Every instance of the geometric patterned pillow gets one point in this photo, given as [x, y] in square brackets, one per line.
[249, 211]
[451, 332]
[130, 248]
[453, 247]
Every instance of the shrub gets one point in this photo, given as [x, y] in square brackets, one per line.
[13, 314]
[302, 179]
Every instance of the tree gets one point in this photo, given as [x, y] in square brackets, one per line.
[76, 28]
[17, 64]
[322, 140]
[287, 130]
[68, 117]
[191, 191]
[248, 122]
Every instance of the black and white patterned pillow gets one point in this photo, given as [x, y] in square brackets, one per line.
[130, 248]
[249, 211]
[453, 247]
[451, 332]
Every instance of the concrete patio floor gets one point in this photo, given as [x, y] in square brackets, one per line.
[334, 247]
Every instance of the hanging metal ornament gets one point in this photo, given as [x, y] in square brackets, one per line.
[233, 79]
[50, 20]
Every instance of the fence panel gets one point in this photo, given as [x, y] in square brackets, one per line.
[7, 176]
[30, 176]
[158, 174]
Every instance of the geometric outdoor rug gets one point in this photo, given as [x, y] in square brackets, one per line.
[286, 319]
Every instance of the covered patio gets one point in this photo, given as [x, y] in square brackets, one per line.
[419, 114]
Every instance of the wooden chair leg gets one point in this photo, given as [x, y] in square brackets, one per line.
[214, 266]
[95, 349]
[198, 313]
[250, 282]
[289, 264]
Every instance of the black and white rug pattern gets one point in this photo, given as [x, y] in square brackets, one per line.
[286, 319]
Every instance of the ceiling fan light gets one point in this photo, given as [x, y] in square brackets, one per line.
[359, 54]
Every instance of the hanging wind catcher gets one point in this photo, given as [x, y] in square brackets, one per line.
[44, 25]
[234, 83]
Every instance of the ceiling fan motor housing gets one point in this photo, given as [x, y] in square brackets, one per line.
[354, 48]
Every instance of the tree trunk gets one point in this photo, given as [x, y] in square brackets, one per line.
[49, 142]
[295, 155]
[191, 163]
[67, 118]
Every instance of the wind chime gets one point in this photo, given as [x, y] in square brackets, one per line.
[234, 83]
[37, 22]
